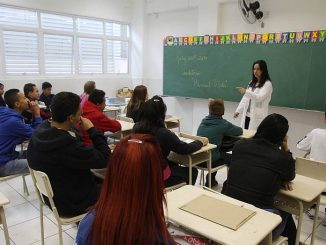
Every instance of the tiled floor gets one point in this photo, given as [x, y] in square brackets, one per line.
[24, 224]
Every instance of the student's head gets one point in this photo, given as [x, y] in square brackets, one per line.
[31, 91]
[130, 206]
[152, 115]
[216, 107]
[97, 97]
[2, 89]
[16, 100]
[47, 88]
[259, 73]
[273, 128]
[139, 95]
[89, 87]
[65, 108]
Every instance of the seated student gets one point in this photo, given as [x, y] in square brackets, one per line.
[31, 92]
[89, 87]
[260, 167]
[214, 127]
[14, 131]
[2, 90]
[315, 143]
[130, 207]
[139, 96]
[152, 121]
[93, 110]
[46, 97]
[56, 149]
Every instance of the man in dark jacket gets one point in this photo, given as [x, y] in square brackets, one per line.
[214, 127]
[57, 150]
[14, 131]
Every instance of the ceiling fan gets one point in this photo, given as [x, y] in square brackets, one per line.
[250, 10]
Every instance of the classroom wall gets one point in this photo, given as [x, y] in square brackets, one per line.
[106, 9]
[188, 18]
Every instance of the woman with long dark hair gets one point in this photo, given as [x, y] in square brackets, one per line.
[139, 96]
[130, 207]
[255, 101]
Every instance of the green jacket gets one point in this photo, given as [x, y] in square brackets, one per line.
[215, 128]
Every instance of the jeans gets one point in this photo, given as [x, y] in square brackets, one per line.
[16, 166]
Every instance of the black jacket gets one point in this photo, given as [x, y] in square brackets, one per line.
[67, 161]
[257, 171]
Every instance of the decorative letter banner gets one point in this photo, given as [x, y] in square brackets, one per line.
[240, 38]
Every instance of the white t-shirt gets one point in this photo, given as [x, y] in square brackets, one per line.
[315, 142]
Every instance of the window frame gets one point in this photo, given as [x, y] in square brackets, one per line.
[75, 46]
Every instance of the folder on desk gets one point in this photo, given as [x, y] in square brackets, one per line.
[218, 211]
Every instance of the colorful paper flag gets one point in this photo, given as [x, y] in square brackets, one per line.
[278, 37]
[314, 36]
[285, 37]
[252, 37]
[271, 37]
[322, 35]
[299, 36]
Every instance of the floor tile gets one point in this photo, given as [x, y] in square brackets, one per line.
[64, 227]
[54, 240]
[72, 232]
[14, 197]
[20, 213]
[2, 237]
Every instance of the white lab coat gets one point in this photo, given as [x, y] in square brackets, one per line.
[260, 99]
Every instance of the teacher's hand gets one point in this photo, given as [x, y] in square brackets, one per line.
[241, 90]
[236, 114]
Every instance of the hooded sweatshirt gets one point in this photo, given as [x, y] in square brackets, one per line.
[99, 119]
[215, 128]
[13, 131]
[67, 161]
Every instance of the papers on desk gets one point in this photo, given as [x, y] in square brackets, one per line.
[186, 140]
[218, 211]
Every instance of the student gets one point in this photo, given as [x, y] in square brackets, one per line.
[56, 149]
[93, 110]
[32, 93]
[315, 143]
[139, 96]
[260, 167]
[2, 101]
[14, 131]
[89, 87]
[46, 97]
[152, 122]
[256, 98]
[214, 127]
[130, 207]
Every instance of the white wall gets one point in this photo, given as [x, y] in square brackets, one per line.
[105, 9]
[188, 18]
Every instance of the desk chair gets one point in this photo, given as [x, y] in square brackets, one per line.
[202, 179]
[124, 118]
[4, 201]
[312, 169]
[281, 240]
[174, 187]
[5, 178]
[43, 187]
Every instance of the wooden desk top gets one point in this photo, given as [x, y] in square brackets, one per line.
[247, 134]
[111, 108]
[252, 232]
[170, 118]
[3, 200]
[126, 126]
[305, 189]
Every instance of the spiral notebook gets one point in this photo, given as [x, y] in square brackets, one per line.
[218, 211]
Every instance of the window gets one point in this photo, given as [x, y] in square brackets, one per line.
[21, 52]
[42, 43]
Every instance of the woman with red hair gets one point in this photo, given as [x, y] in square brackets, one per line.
[130, 207]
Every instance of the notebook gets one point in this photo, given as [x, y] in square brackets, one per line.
[218, 211]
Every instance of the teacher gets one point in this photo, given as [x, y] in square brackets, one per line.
[256, 98]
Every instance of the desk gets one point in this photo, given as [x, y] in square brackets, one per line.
[190, 160]
[172, 122]
[306, 192]
[126, 127]
[114, 109]
[247, 134]
[4, 201]
[115, 101]
[257, 230]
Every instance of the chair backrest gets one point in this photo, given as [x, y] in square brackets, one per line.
[310, 168]
[124, 118]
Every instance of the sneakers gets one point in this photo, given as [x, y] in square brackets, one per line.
[311, 213]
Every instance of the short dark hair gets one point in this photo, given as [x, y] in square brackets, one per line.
[28, 87]
[1, 84]
[11, 96]
[273, 128]
[216, 107]
[63, 105]
[97, 96]
[46, 85]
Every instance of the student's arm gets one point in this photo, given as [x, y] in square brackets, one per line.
[22, 130]
[305, 143]
[264, 92]
[103, 123]
[179, 146]
[233, 130]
